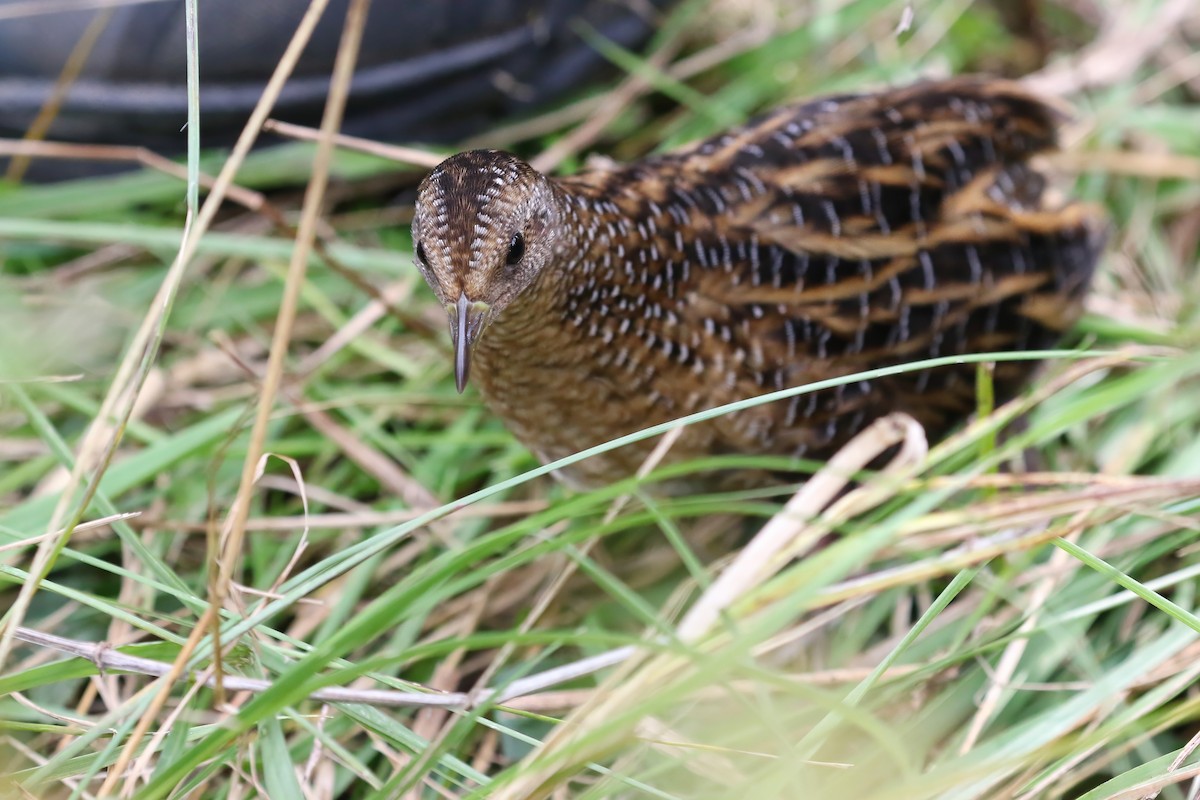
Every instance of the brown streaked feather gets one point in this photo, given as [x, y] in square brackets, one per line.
[819, 240]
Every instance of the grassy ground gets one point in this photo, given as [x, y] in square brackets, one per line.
[1011, 616]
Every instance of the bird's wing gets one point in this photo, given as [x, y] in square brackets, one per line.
[863, 231]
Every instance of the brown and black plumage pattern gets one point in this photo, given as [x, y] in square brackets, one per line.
[816, 241]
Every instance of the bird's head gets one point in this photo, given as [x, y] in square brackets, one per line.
[486, 225]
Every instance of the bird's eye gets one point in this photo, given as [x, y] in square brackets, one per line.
[516, 250]
[421, 253]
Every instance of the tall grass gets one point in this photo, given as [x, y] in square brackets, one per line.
[418, 610]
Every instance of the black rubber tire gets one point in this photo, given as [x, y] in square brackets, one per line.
[430, 70]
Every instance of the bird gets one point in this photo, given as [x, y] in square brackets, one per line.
[818, 240]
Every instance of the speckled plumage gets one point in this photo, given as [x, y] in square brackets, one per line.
[818, 240]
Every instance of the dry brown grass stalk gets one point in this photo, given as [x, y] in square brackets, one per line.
[203, 220]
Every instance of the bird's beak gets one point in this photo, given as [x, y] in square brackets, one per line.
[466, 320]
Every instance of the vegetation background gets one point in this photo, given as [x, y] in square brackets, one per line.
[411, 608]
